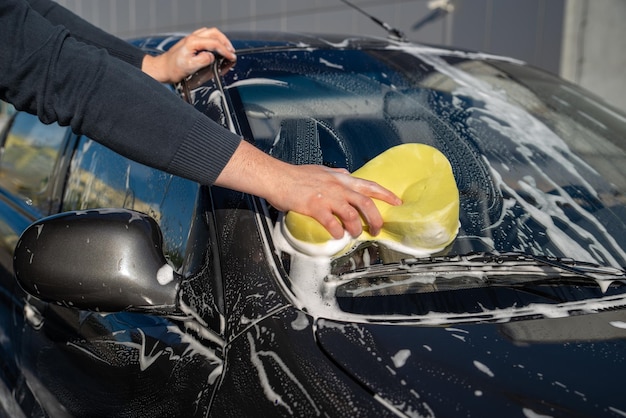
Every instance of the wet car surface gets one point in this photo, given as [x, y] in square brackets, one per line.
[522, 315]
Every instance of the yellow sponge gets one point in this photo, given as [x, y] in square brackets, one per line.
[427, 220]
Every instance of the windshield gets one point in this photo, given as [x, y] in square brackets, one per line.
[537, 162]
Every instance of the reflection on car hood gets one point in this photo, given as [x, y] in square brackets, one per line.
[521, 368]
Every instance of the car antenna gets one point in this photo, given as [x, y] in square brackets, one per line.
[394, 33]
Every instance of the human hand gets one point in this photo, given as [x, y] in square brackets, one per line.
[333, 197]
[189, 55]
[336, 200]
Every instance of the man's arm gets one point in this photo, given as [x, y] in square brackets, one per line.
[46, 72]
[186, 57]
[85, 32]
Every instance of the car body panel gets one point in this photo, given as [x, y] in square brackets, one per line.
[260, 374]
[459, 369]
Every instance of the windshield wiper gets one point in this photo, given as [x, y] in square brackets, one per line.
[470, 271]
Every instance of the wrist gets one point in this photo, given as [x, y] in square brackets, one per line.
[252, 171]
[153, 66]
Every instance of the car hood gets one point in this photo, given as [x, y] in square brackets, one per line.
[570, 366]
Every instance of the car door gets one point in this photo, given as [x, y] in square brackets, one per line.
[124, 363]
[87, 363]
[30, 164]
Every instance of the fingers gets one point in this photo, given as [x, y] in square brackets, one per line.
[373, 189]
[203, 40]
[369, 212]
[189, 55]
[325, 216]
[369, 188]
[345, 202]
[361, 201]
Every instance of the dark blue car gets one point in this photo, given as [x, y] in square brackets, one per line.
[125, 291]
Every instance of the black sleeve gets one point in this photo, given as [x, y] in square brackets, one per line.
[88, 33]
[45, 71]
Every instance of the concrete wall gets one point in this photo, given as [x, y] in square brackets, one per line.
[569, 37]
[529, 30]
[594, 48]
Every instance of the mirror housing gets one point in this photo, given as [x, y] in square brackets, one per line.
[104, 260]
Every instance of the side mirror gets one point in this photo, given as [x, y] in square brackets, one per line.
[104, 260]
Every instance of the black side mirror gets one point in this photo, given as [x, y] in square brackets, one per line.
[104, 260]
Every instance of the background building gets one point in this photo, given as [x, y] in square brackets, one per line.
[582, 40]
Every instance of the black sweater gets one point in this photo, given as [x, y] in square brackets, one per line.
[65, 70]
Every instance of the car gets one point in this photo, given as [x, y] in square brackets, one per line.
[126, 291]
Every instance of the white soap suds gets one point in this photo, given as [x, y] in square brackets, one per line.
[400, 358]
[165, 274]
[480, 366]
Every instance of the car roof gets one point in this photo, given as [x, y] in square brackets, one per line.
[260, 41]
[264, 40]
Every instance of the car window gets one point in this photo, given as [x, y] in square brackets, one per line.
[6, 111]
[101, 178]
[29, 156]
